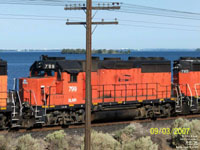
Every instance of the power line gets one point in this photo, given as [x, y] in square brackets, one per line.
[129, 8]
[41, 2]
[152, 14]
[161, 12]
[162, 23]
[42, 19]
[23, 15]
[146, 10]
[64, 18]
[48, 19]
[22, 3]
[159, 9]
[61, 18]
[143, 26]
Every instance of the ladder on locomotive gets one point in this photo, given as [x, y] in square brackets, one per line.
[16, 106]
[38, 112]
[192, 102]
[197, 94]
[16, 112]
[179, 102]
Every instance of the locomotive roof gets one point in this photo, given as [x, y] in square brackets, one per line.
[188, 63]
[75, 66]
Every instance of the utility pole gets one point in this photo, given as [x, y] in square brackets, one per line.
[88, 25]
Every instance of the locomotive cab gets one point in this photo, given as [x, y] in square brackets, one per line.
[53, 82]
[43, 76]
[187, 75]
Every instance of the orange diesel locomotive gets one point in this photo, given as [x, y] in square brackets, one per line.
[187, 83]
[141, 86]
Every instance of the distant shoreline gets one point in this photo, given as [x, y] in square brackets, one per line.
[98, 51]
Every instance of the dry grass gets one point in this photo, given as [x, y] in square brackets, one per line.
[132, 137]
[125, 134]
[182, 139]
[57, 141]
[143, 143]
[103, 141]
[5, 143]
[26, 142]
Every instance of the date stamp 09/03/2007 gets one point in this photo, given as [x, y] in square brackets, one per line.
[167, 131]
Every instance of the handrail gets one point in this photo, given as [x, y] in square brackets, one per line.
[136, 90]
[181, 96]
[13, 104]
[195, 86]
[35, 103]
[20, 103]
[45, 101]
[177, 97]
[190, 94]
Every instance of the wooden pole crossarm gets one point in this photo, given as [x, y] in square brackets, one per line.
[94, 23]
[93, 8]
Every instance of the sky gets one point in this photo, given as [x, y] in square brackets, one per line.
[55, 34]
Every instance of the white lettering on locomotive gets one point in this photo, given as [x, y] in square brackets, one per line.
[70, 100]
[49, 66]
[185, 71]
[73, 88]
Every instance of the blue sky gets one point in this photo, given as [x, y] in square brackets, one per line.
[34, 34]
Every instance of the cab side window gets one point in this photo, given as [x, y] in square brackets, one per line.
[73, 77]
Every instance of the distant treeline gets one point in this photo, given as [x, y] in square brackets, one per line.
[98, 51]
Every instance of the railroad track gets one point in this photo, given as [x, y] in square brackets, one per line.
[52, 128]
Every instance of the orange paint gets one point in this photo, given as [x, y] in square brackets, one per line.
[3, 90]
[187, 82]
[118, 85]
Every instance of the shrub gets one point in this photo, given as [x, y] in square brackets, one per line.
[4, 143]
[26, 142]
[57, 140]
[143, 143]
[125, 134]
[103, 141]
[182, 139]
